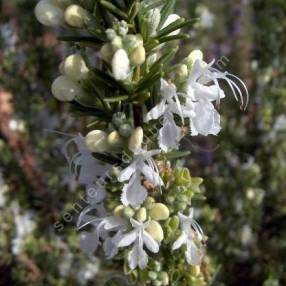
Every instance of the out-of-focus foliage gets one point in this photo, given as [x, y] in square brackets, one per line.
[244, 168]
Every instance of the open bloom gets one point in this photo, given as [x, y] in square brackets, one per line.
[170, 133]
[192, 236]
[203, 89]
[102, 227]
[83, 166]
[139, 238]
[142, 164]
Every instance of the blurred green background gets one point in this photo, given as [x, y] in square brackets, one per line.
[244, 167]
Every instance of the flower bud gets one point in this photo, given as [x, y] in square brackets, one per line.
[157, 283]
[149, 202]
[196, 270]
[152, 275]
[118, 211]
[193, 56]
[141, 215]
[75, 68]
[182, 71]
[106, 53]
[159, 212]
[76, 16]
[128, 212]
[120, 65]
[136, 139]
[116, 43]
[110, 34]
[96, 141]
[163, 276]
[138, 56]
[114, 140]
[125, 130]
[49, 14]
[64, 89]
[118, 119]
[155, 230]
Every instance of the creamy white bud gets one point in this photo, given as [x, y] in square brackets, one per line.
[159, 212]
[114, 140]
[138, 56]
[76, 16]
[106, 52]
[65, 90]
[75, 68]
[182, 71]
[136, 139]
[170, 19]
[96, 141]
[120, 65]
[155, 230]
[195, 55]
[49, 14]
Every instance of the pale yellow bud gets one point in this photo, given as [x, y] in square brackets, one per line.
[195, 55]
[107, 53]
[49, 14]
[76, 16]
[96, 141]
[138, 56]
[196, 270]
[155, 230]
[118, 211]
[141, 215]
[75, 68]
[136, 139]
[65, 90]
[159, 212]
[114, 139]
[182, 71]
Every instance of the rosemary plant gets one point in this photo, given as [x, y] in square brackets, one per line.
[139, 104]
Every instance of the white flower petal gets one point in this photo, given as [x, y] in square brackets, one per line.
[133, 193]
[180, 241]
[137, 256]
[127, 172]
[206, 121]
[88, 242]
[151, 175]
[156, 111]
[169, 135]
[193, 254]
[127, 239]
[150, 243]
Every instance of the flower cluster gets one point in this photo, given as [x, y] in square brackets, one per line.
[139, 204]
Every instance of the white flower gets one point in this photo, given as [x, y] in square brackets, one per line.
[203, 88]
[192, 236]
[169, 134]
[83, 166]
[133, 192]
[89, 241]
[120, 65]
[139, 238]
